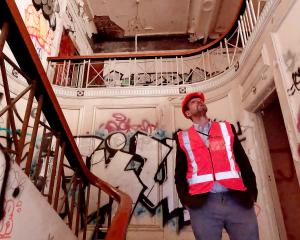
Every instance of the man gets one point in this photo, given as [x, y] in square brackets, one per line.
[213, 176]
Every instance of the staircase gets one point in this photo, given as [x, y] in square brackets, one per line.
[36, 139]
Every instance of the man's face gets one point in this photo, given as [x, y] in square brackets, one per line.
[196, 108]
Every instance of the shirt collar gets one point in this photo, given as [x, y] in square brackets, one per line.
[205, 128]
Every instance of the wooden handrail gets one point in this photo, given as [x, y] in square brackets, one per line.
[21, 45]
[152, 54]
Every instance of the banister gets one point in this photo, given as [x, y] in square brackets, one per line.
[165, 54]
[21, 45]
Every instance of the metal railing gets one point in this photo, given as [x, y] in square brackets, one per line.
[103, 71]
[37, 138]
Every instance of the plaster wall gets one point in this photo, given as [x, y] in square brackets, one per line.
[28, 215]
[158, 118]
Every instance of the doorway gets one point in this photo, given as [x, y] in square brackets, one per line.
[283, 167]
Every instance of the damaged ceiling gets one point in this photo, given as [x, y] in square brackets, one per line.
[154, 25]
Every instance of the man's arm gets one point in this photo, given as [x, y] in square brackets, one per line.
[245, 166]
[180, 174]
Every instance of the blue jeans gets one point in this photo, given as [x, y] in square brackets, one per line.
[222, 211]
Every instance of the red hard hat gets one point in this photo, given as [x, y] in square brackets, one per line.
[188, 97]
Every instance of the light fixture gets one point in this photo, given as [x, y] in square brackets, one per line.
[135, 24]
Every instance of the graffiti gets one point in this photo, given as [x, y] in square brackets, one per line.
[298, 127]
[122, 123]
[41, 34]
[236, 66]
[50, 237]
[115, 78]
[7, 223]
[296, 83]
[49, 8]
[122, 154]
[239, 131]
[132, 158]
[11, 185]
[290, 60]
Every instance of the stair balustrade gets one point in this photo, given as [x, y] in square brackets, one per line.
[38, 139]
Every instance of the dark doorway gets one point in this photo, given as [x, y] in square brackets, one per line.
[283, 166]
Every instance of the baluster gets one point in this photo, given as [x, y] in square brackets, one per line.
[182, 72]
[68, 73]
[73, 198]
[204, 67]
[98, 213]
[86, 211]
[208, 60]
[26, 121]
[227, 51]
[109, 211]
[241, 33]
[59, 176]
[3, 35]
[135, 73]
[248, 24]
[252, 12]
[78, 206]
[53, 173]
[177, 73]
[235, 47]
[46, 163]
[129, 69]
[10, 109]
[39, 161]
[249, 14]
[34, 135]
[161, 71]
[243, 30]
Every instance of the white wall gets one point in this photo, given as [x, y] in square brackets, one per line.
[158, 118]
[28, 215]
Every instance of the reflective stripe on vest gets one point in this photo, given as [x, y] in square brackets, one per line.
[195, 179]
[233, 173]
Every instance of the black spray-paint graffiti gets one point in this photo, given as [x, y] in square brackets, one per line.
[129, 161]
[296, 83]
[163, 78]
[49, 8]
[298, 127]
[141, 170]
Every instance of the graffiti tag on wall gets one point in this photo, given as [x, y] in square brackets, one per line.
[12, 204]
[41, 34]
[123, 124]
[138, 159]
[298, 127]
[295, 84]
[11, 207]
[48, 8]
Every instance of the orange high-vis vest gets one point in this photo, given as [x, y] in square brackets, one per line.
[209, 164]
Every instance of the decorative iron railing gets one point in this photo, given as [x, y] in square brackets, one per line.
[161, 68]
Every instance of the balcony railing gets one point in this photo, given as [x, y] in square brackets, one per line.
[161, 68]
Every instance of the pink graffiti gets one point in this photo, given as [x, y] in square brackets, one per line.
[123, 124]
[38, 28]
[6, 224]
